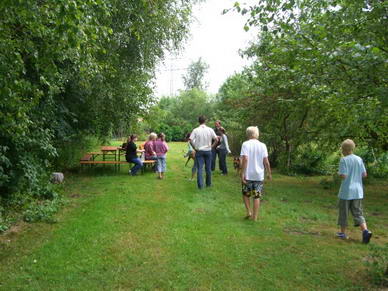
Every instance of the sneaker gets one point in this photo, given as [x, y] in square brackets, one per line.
[341, 235]
[366, 235]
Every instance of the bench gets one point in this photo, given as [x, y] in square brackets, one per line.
[86, 158]
[90, 161]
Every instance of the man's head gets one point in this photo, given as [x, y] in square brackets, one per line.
[347, 147]
[253, 132]
[217, 123]
[202, 119]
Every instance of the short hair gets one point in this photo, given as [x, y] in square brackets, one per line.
[162, 136]
[348, 145]
[218, 121]
[201, 119]
[252, 131]
[152, 135]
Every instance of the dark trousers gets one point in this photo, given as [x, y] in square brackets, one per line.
[222, 157]
[201, 158]
[215, 152]
[138, 164]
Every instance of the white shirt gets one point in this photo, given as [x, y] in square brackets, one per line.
[351, 187]
[255, 151]
[202, 137]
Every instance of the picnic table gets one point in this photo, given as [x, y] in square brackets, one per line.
[115, 151]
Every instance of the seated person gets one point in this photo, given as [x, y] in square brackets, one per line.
[149, 147]
[131, 155]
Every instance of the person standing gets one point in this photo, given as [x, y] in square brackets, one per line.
[201, 139]
[215, 150]
[351, 193]
[131, 155]
[223, 150]
[254, 157]
[161, 149]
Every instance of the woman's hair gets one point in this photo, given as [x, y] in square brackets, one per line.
[253, 132]
[222, 130]
[162, 136]
[188, 135]
[132, 137]
[152, 135]
[348, 146]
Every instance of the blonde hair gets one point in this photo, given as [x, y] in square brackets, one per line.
[348, 146]
[152, 136]
[252, 132]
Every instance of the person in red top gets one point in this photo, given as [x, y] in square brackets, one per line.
[149, 147]
[161, 149]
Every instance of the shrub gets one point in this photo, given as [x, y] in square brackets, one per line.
[42, 210]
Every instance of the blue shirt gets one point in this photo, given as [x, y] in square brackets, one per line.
[351, 187]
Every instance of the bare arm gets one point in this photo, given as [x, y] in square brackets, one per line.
[215, 142]
[244, 162]
[267, 168]
[364, 175]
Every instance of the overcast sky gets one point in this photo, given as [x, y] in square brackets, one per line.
[217, 39]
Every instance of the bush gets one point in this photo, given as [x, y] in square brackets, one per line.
[378, 265]
[70, 152]
[42, 210]
[309, 160]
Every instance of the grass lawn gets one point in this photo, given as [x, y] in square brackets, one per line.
[121, 232]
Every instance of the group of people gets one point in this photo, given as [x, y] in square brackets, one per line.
[155, 148]
[219, 147]
[206, 143]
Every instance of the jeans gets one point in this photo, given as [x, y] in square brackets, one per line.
[222, 157]
[138, 164]
[161, 164]
[201, 158]
[215, 152]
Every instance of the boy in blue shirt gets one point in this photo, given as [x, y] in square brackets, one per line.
[351, 170]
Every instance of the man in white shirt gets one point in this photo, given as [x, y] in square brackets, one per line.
[254, 157]
[201, 139]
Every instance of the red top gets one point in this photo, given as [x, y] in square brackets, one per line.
[161, 147]
[149, 148]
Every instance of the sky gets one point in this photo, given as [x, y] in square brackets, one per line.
[217, 39]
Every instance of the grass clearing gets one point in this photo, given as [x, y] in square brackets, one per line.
[122, 232]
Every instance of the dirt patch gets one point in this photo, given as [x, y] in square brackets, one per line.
[13, 231]
[301, 232]
[75, 195]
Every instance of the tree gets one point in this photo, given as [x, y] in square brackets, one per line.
[194, 77]
[70, 69]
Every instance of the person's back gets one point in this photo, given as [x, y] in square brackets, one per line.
[202, 137]
[351, 187]
[160, 147]
[256, 151]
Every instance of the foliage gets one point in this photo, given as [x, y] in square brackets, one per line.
[378, 265]
[73, 69]
[177, 116]
[318, 77]
[42, 210]
[195, 75]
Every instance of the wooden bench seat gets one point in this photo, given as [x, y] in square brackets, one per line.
[103, 162]
[86, 158]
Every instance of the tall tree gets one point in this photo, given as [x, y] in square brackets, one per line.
[195, 76]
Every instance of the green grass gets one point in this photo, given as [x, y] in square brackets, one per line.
[121, 232]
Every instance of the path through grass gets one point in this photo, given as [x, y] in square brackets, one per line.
[121, 232]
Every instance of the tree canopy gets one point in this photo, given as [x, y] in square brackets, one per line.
[75, 68]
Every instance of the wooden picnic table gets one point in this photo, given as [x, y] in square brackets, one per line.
[111, 150]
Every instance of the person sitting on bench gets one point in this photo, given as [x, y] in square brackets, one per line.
[131, 155]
